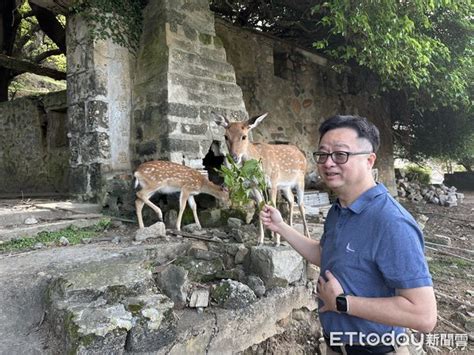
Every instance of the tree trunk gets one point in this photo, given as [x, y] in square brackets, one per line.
[4, 83]
[51, 26]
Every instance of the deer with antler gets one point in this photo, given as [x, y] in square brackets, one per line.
[167, 177]
[284, 166]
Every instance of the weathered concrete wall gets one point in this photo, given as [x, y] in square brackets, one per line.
[182, 75]
[34, 151]
[300, 90]
[99, 100]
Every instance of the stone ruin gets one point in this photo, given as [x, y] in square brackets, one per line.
[213, 291]
[437, 194]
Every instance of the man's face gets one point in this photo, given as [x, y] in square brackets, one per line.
[357, 171]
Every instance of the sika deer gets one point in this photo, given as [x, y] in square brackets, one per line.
[284, 166]
[167, 177]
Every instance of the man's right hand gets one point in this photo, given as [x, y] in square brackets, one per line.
[271, 218]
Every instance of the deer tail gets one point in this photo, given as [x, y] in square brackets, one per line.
[137, 180]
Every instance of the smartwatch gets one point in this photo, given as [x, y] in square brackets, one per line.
[342, 305]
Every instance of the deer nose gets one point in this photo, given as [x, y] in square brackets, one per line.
[235, 157]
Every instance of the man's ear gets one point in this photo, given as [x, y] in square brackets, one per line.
[371, 160]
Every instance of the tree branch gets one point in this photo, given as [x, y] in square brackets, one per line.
[42, 56]
[23, 66]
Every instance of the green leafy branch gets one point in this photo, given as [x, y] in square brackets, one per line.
[241, 180]
[119, 20]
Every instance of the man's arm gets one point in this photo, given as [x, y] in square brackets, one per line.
[307, 247]
[411, 308]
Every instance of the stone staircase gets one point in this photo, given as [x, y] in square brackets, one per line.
[26, 218]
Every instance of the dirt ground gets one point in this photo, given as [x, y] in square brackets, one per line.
[453, 276]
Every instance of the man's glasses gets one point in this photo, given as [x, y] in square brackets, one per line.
[337, 157]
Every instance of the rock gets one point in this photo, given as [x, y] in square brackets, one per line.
[38, 246]
[439, 239]
[193, 228]
[30, 220]
[63, 241]
[200, 270]
[257, 285]
[203, 254]
[154, 325]
[234, 222]
[312, 272]
[116, 240]
[86, 240]
[275, 266]
[173, 281]
[154, 231]
[232, 294]
[171, 217]
[210, 217]
[199, 298]
[241, 254]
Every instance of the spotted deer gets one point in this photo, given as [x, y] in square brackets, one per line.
[284, 166]
[166, 177]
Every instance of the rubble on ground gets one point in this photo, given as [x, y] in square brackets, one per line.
[438, 194]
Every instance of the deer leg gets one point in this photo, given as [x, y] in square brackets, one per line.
[184, 195]
[139, 207]
[259, 198]
[300, 194]
[145, 198]
[192, 204]
[291, 202]
[273, 197]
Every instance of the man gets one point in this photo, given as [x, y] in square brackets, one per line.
[374, 279]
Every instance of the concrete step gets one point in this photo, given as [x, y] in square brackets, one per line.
[27, 218]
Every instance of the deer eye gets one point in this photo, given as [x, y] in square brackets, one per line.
[244, 138]
[226, 138]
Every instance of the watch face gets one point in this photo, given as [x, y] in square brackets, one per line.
[341, 303]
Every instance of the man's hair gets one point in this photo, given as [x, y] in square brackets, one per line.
[363, 127]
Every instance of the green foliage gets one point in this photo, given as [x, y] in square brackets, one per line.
[119, 20]
[422, 51]
[74, 234]
[419, 174]
[423, 47]
[242, 180]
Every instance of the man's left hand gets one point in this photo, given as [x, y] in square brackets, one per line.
[328, 291]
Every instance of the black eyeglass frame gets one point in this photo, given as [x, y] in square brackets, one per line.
[318, 155]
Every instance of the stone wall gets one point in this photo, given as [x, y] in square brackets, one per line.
[182, 74]
[34, 152]
[299, 90]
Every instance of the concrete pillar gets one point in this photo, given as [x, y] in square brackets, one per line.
[181, 76]
[99, 100]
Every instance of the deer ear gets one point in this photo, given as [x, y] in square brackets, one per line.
[255, 121]
[220, 120]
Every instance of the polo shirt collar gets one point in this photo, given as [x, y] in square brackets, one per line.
[364, 200]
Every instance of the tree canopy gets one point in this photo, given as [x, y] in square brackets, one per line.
[420, 50]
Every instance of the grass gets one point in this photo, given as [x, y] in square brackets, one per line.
[449, 266]
[74, 234]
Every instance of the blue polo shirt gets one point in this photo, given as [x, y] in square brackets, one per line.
[372, 247]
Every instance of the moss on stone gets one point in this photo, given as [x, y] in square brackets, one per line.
[135, 309]
[205, 38]
[218, 42]
[221, 293]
